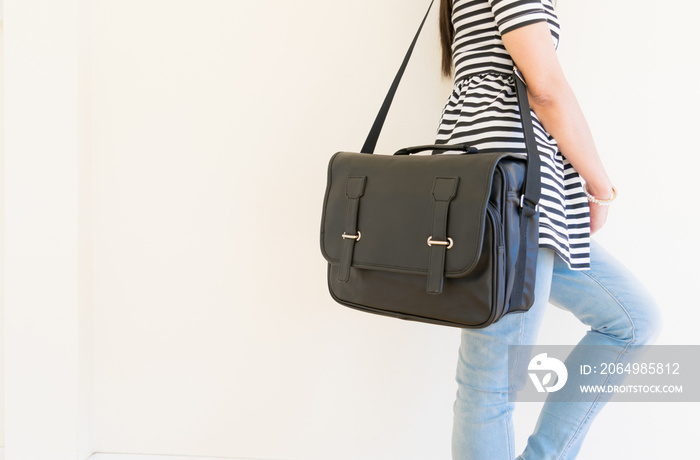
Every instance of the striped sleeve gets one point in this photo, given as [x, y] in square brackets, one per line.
[512, 14]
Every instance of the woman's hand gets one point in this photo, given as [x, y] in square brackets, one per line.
[599, 214]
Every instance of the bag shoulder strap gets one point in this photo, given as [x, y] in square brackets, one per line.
[531, 195]
[371, 141]
[533, 184]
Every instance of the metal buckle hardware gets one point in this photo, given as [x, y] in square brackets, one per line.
[449, 243]
[522, 203]
[352, 237]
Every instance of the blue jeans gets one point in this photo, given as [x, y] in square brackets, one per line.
[608, 298]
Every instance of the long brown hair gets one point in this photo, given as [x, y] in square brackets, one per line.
[447, 34]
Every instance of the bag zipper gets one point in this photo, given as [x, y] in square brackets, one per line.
[500, 280]
[497, 225]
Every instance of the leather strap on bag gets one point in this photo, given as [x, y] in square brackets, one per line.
[532, 187]
[354, 190]
[444, 190]
[531, 195]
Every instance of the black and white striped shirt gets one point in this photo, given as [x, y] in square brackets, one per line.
[482, 110]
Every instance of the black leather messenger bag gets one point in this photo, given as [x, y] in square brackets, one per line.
[448, 239]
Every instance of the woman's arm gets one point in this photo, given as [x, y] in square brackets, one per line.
[552, 99]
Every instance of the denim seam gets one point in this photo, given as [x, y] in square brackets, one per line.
[596, 400]
[597, 281]
[509, 412]
[509, 419]
[517, 352]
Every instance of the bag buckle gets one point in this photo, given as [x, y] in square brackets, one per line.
[449, 243]
[352, 237]
[522, 203]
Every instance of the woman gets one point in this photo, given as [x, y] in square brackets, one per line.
[482, 40]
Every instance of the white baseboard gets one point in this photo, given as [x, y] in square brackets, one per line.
[110, 456]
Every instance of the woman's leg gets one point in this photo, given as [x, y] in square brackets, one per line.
[622, 315]
[483, 428]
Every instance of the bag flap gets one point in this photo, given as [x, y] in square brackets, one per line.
[395, 215]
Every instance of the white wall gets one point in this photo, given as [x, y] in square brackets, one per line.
[47, 350]
[211, 127]
[2, 231]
